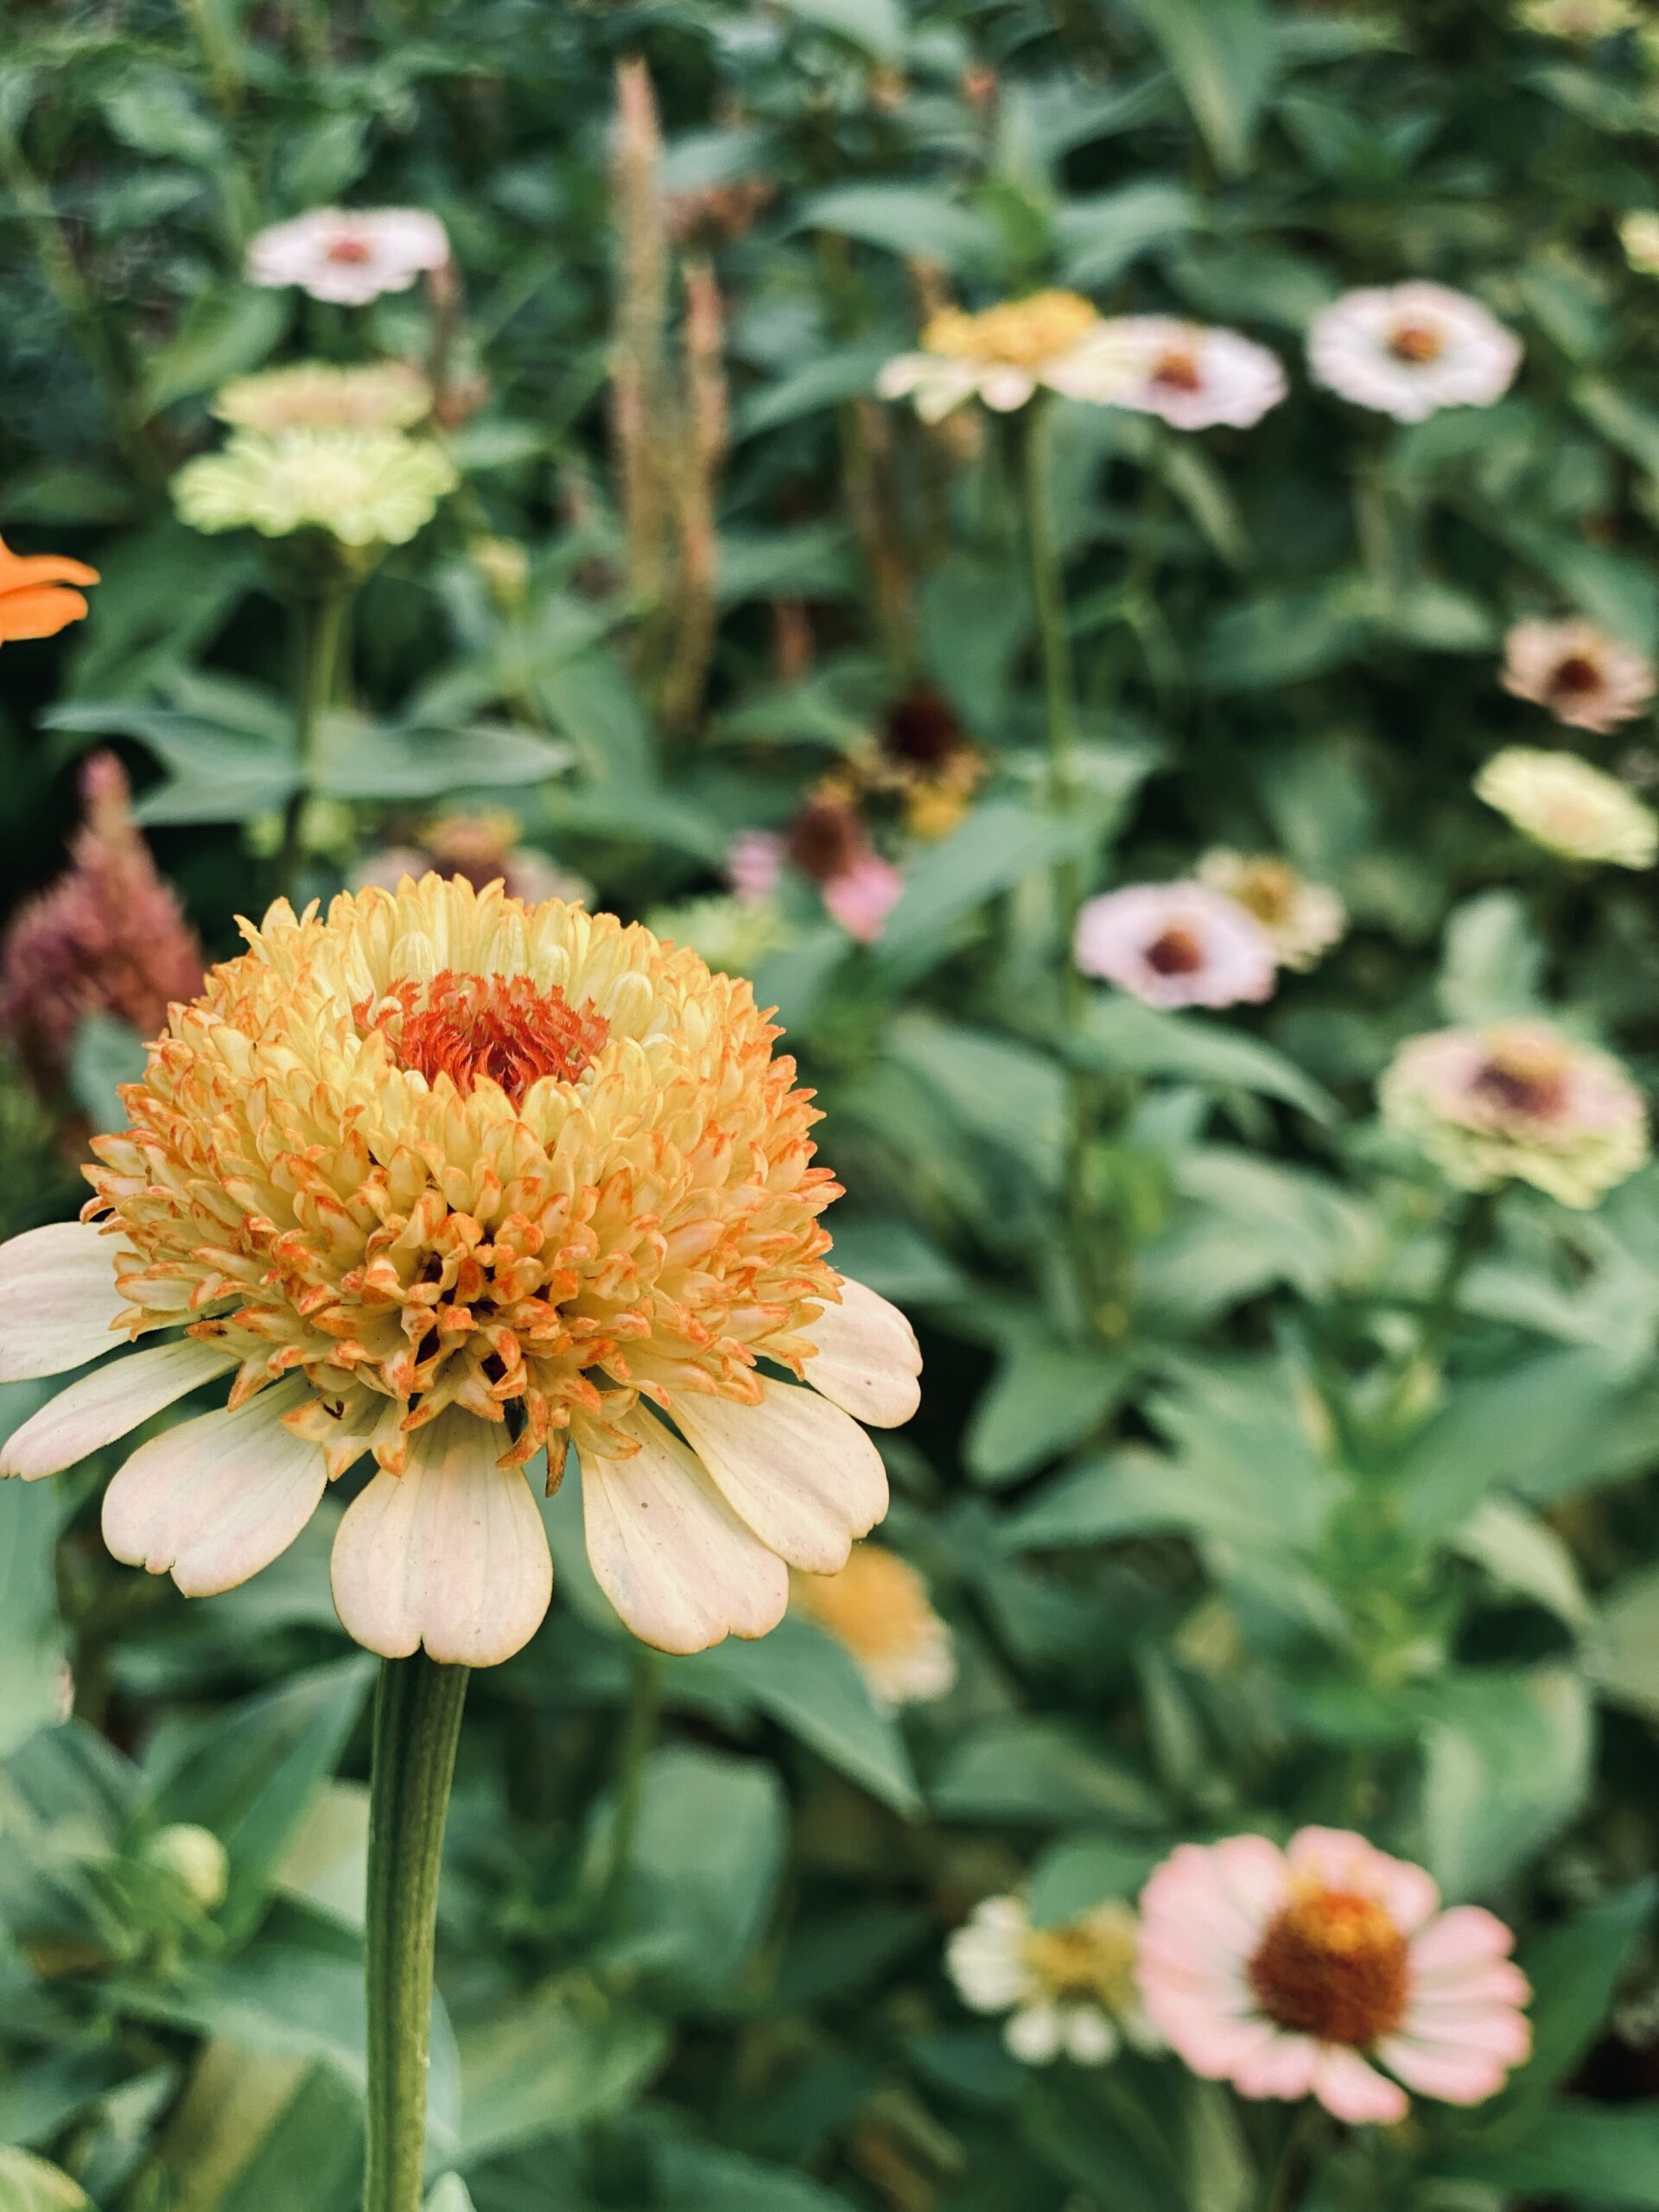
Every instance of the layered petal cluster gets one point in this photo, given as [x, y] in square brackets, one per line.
[1192, 375]
[1586, 678]
[349, 255]
[1410, 350]
[445, 1178]
[878, 1609]
[1569, 807]
[1005, 354]
[315, 394]
[1304, 1972]
[1069, 1989]
[363, 487]
[1518, 1100]
[39, 593]
[1176, 944]
[1304, 920]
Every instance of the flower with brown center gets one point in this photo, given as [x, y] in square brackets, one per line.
[350, 255]
[877, 1608]
[928, 759]
[1192, 376]
[1175, 944]
[38, 597]
[446, 1179]
[1303, 1972]
[1410, 350]
[1585, 677]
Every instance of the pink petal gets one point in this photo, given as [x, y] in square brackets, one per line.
[1283, 2068]
[1501, 1983]
[1351, 2089]
[1465, 1936]
[1485, 2031]
[1456, 2077]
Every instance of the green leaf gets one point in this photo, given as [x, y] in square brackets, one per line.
[106, 1053]
[541, 2065]
[1004, 1094]
[1600, 2155]
[877, 26]
[223, 335]
[1625, 1660]
[1493, 961]
[1045, 1398]
[708, 1855]
[1221, 54]
[1118, 1035]
[693, 2177]
[1035, 1772]
[904, 218]
[842, 372]
[252, 1772]
[998, 844]
[1286, 635]
[1100, 238]
[1507, 1768]
[31, 1635]
[254, 2132]
[1134, 1492]
[1574, 1970]
[1081, 1870]
[1522, 1553]
[356, 758]
[29, 2184]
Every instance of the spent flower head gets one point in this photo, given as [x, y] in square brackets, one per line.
[1586, 678]
[443, 1179]
[1069, 1989]
[1176, 944]
[1518, 1100]
[1304, 920]
[349, 255]
[315, 394]
[1410, 350]
[362, 487]
[1565, 805]
[878, 1609]
[1325, 1969]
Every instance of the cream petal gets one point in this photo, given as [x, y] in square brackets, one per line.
[681, 1569]
[868, 1360]
[58, 1300]
[1004, 390]
[217, 1497]
[451, 1553]
[801, 1473]
[102, 1406]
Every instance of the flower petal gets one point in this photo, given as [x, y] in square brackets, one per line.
[58, 1300]
[101, 1407]
[868, 1359]
[801, 1473]
[1351, 2089]
[217, 1497]
[451, 1553]
[681, 1569]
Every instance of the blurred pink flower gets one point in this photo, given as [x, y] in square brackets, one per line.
[1192, 376]
[754, 862]
[349, 255]
[863, 896]
[107, 938]
[1585, 677]
[1295, 1973]
[1175, 944]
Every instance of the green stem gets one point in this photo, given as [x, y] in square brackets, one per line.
[320, 627]
[639, 1734]
[416, 1723]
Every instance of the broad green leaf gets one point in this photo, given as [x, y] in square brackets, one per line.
[1286, 635]
[1507, 1769]
[877, 26]
[844, 372]
[40, 2096]
[1522, 1553]
[1036, 1772]
[1120, 1036]
[1099, 237]
[1493, 961]
[541, 2065]
[1043, 1398]
[693, 2177]
[1221, 54]
[895, 1258]
[358, 759]
[1604, 2156]
[1574, 1970]
[223, 335]
[1624, 1658]
[29, 2184]
[1081, 1870]
[1005, 1094]
[256, 2133]
[1133, 1492]
[906, 218]
[706, 1857]
[998, 844]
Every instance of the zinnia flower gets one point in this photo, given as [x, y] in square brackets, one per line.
[1069, 1989]
[37, 598]
[1176, 944]
[1004, 354]
[755, 863]
[349, 255]
[830, 846]
[365, 488]
[1518, 1099]
[1586, 678]
[107, 938]
[1304, 920]
[1638, 234]
[314, 395]
[1192, 376]
[444, 1178]
[1562, 803]
[877, 1610]
[1584, 20]
[1297, 1973]
[1408, 350]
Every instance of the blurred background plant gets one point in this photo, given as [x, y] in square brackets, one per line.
[485, 422]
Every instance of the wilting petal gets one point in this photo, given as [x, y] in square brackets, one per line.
[869, 1359]
[802, 1474]
[451, 1553]
[679, 1566]
[216, 1498]
[98, 1408]
[58, 1300]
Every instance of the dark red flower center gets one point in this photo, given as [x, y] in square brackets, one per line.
[922, 728]
[826, 839]
[1178, 371]
[1333, 1965]
[352, 248]
[1177, 951]
[500, 1029]
[1575, 674]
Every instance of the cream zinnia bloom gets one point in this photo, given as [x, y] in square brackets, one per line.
[1304, 920]
[1563, 803]
[1518, 1100]
[349, 255]
[1410, 350]
[877, 1610]
[364, 487]
[1003, 355]
[1068, 1989]
[1585, 677]
[1638, 234]
[315, 394]
[443, 1178]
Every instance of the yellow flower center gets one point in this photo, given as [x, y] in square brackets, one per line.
[1332, 1964]
[1016, 334]
[1267, 889]
[1091, 1957]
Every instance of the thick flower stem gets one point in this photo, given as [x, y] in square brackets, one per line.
[321, 630]
[416, 1723]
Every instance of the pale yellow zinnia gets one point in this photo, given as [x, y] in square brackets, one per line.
[1569, 807]
[443, 1178]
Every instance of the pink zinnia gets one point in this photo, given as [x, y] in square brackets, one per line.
[863, 896]
[106, 937]
[1176, 944]
[1296, 1972]
[755, 863]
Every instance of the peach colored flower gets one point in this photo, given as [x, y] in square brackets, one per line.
[1176, 944]
[1003, 355]
[36, 595]
[1585, 677]
[878, 1609]
[1301, 1973]
[442, 1179]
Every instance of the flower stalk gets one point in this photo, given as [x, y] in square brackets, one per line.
[320, 630]
[416, 1724]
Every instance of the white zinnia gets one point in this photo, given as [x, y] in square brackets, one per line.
[1192, 376]
[1068, 1989]
[1410, 350]
[1176, 944]
[349, 255]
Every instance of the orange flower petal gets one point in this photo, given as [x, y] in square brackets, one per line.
[38, 612]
